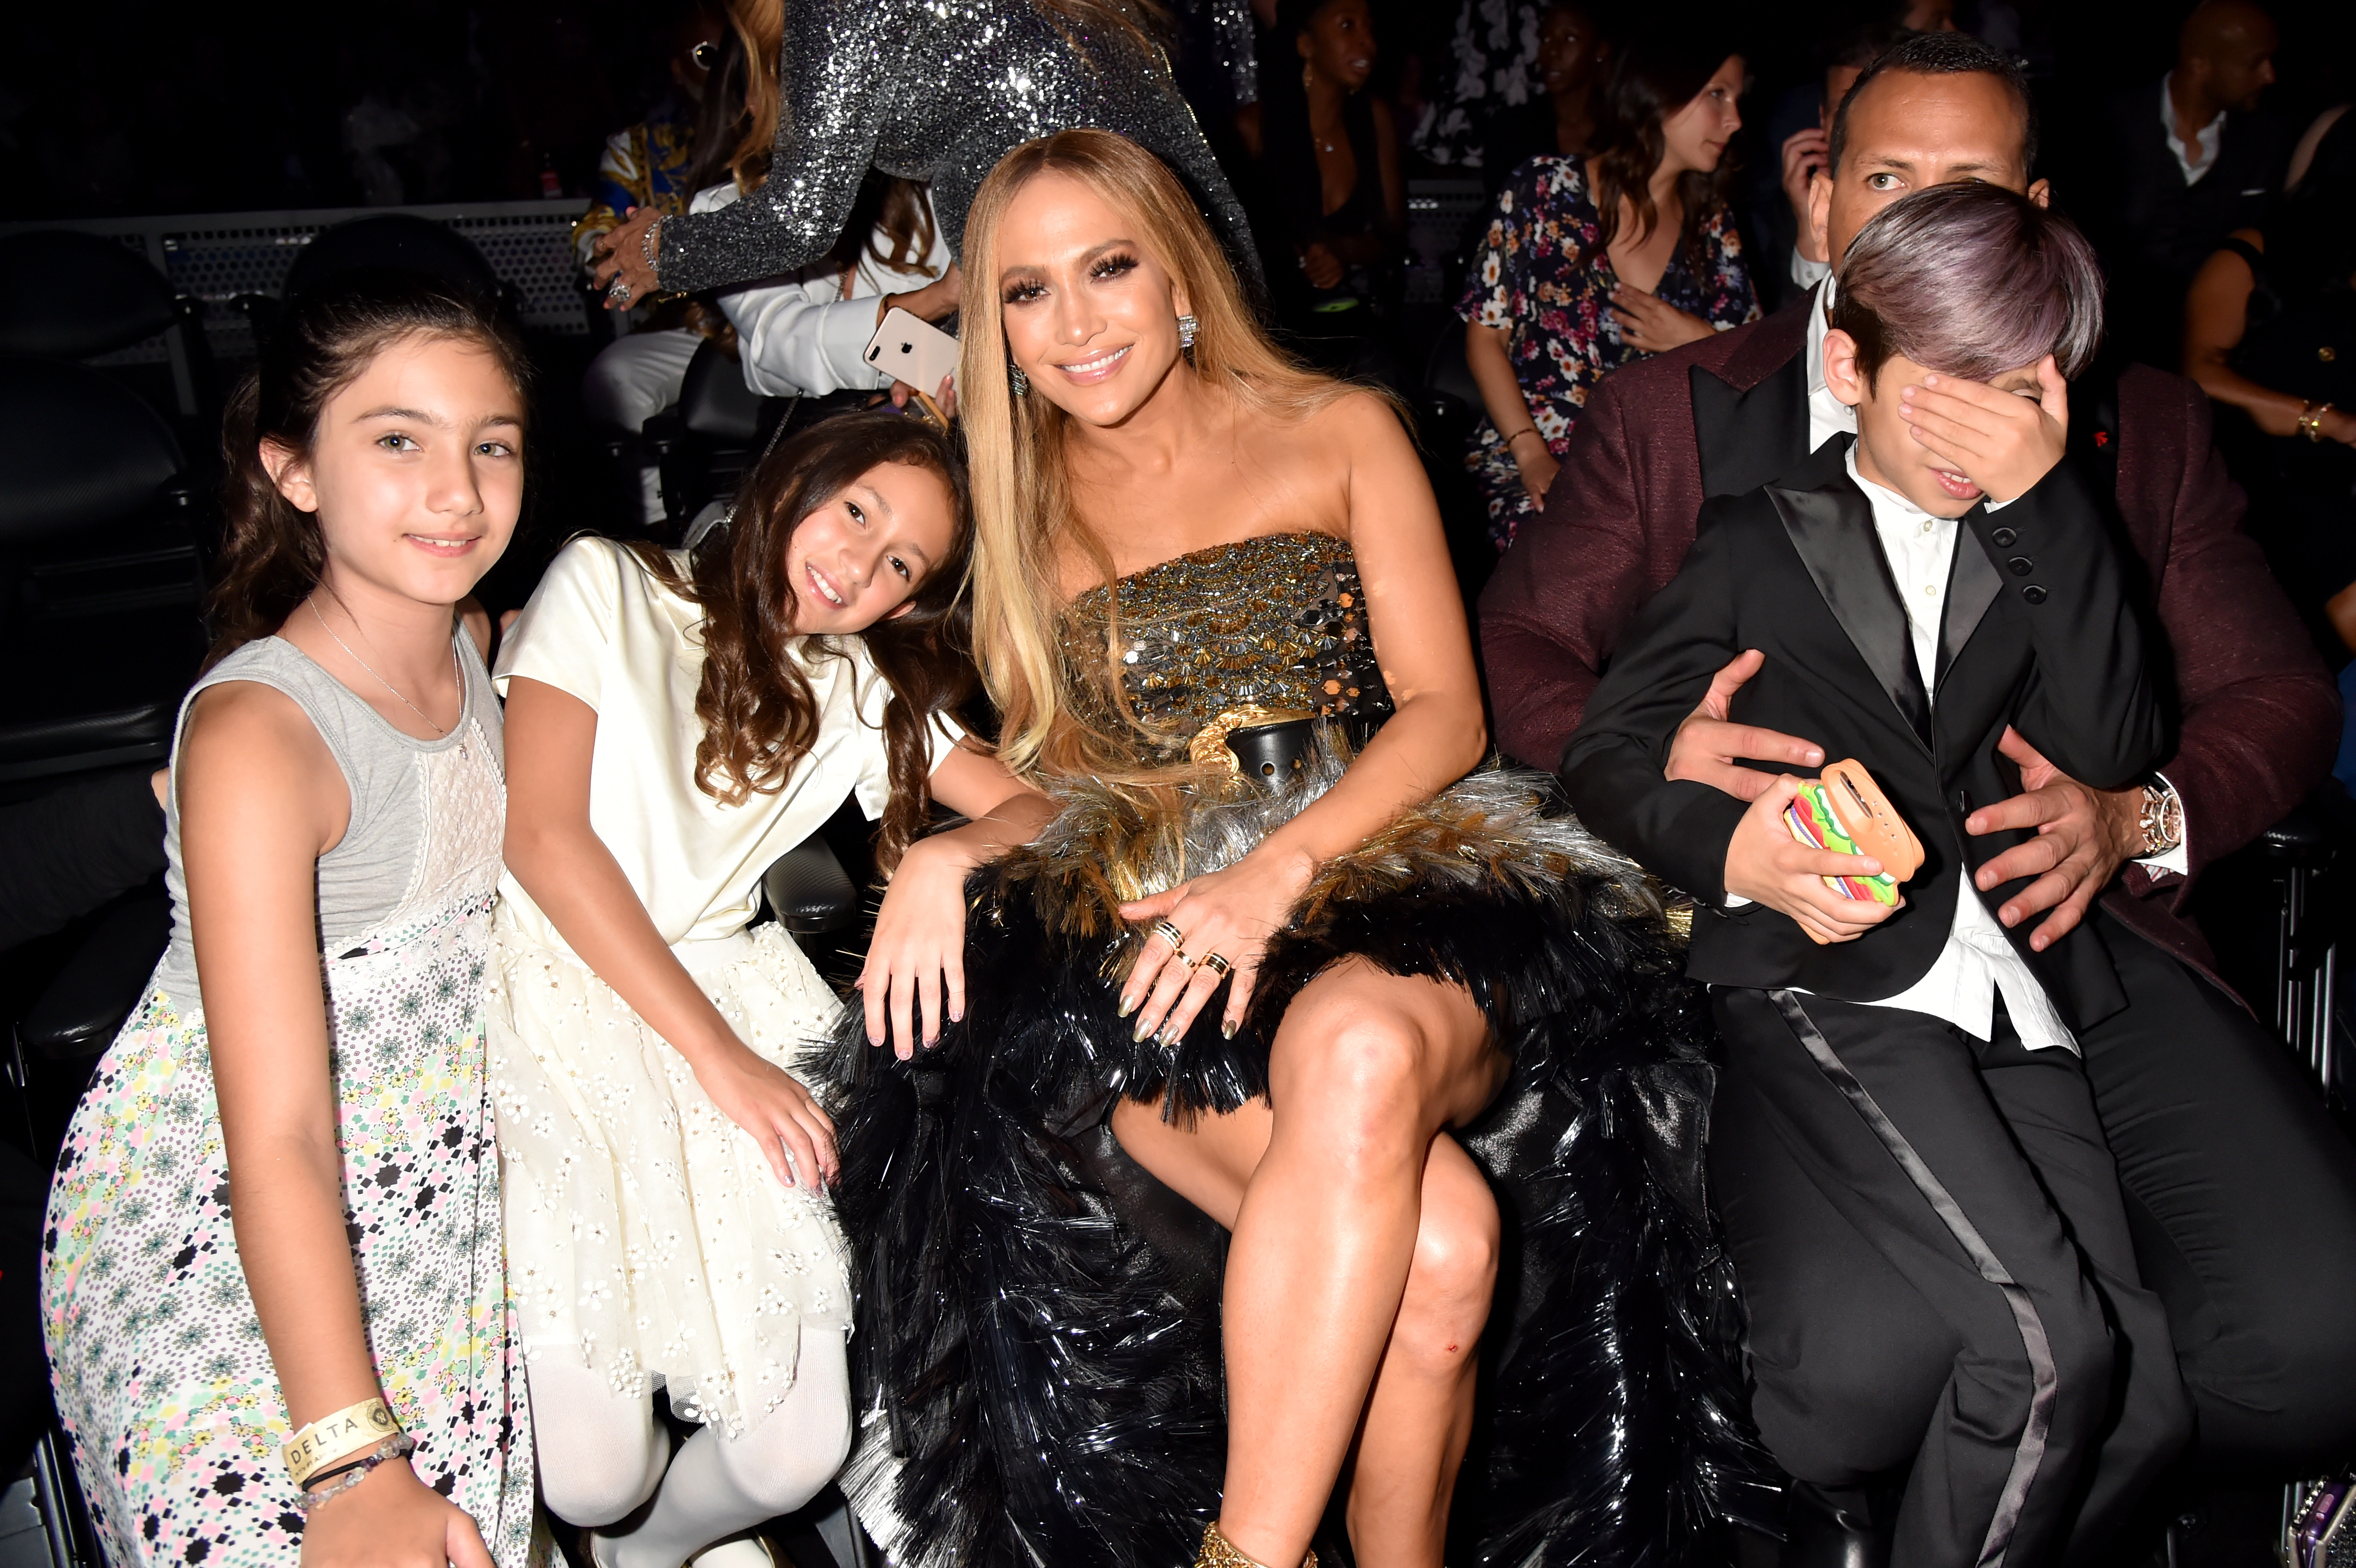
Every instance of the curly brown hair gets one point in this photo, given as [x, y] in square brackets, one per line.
[271, 554]
[759, 715]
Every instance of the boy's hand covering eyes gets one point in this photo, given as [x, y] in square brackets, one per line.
[1766, 865]
[2002, 442]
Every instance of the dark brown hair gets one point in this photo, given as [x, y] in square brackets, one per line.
[1970, 279]
[271, 554]
[1653, 76]
[759, 715]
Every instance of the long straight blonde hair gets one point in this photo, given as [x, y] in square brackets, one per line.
[1025, 515]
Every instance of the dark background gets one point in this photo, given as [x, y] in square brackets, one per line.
[146, 108]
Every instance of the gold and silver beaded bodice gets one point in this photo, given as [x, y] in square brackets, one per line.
[1264, 630]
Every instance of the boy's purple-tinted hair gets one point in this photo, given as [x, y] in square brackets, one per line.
[1970, 279]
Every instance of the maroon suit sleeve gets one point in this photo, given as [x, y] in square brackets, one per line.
[1556, 606]
[2261, 717]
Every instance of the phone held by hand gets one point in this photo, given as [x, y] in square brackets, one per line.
[909, 349]
[1845, 811]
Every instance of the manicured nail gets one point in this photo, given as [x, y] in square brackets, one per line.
[1128, 1006]
[1227, 1029]
[1140, 1032]
[1171, 1034]
[957, 1015]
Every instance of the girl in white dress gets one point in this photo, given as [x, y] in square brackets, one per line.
[674, 725]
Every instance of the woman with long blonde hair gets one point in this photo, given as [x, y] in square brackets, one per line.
[1291, 968]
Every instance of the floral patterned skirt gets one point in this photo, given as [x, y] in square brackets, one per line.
[161, 1374]
[646, 1233]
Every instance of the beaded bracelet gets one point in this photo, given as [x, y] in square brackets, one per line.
[353, 1475]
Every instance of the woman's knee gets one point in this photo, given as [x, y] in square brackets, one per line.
[1361, 1076]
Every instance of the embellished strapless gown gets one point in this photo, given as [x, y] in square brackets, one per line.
[1038, 1319]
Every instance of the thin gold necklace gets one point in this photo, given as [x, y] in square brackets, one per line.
[438, 731]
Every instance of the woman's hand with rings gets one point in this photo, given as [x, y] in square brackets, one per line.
[1228, 915]
[769, 1102]
[619, 263]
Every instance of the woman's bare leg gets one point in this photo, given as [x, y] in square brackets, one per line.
[1419, 1418]
[1325, 1194]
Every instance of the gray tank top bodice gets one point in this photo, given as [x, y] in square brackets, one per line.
[425, 815]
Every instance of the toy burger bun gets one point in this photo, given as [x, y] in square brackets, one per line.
[1871, 823]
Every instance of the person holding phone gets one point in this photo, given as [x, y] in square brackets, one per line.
[1904, 1108]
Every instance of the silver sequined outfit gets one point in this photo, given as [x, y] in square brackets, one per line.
[937, 90]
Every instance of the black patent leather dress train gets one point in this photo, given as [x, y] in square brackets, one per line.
[1038, 1339]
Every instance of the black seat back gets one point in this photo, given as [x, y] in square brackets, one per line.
[64, 296]
[78, 451]
[713, 401]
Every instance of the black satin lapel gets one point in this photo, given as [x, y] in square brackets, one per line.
[1973, 583]
[1749, 439]
[1833, 530]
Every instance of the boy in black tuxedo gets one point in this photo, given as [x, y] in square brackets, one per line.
[1926, 1222]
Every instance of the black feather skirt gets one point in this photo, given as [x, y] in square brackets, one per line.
[1038, 1333]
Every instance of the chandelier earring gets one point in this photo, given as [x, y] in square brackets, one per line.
[1187, 327]
[1017, 380]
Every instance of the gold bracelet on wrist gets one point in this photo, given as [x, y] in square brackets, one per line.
[354, 1429]
[2310, 420]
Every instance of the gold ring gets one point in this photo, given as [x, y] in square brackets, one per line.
[1170, 934]
[1217, 964]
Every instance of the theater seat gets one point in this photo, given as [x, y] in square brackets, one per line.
[808, 891]
[79, 454]
[79, 1011]
[38, 748]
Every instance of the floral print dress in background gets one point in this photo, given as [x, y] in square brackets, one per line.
[1540, 276]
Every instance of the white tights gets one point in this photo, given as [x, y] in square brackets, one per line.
[603, 1455]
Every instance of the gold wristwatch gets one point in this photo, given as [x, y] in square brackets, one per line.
[2162, 818]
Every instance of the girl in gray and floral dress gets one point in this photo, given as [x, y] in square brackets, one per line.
[279, 1202]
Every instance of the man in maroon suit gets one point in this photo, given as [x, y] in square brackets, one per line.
[2242, 1192]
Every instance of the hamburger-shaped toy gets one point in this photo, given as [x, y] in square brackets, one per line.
[1845, 811]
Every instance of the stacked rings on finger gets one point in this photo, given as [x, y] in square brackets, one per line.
[1170, 934]
[1217, 964]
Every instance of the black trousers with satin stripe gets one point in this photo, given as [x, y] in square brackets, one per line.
[1939, 1273]
[2242, 1195]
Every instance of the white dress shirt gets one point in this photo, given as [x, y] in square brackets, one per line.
[1979, 962]
[2200, 157]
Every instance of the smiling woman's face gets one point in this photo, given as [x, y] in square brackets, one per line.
[1340, 42]
[1091, 317]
